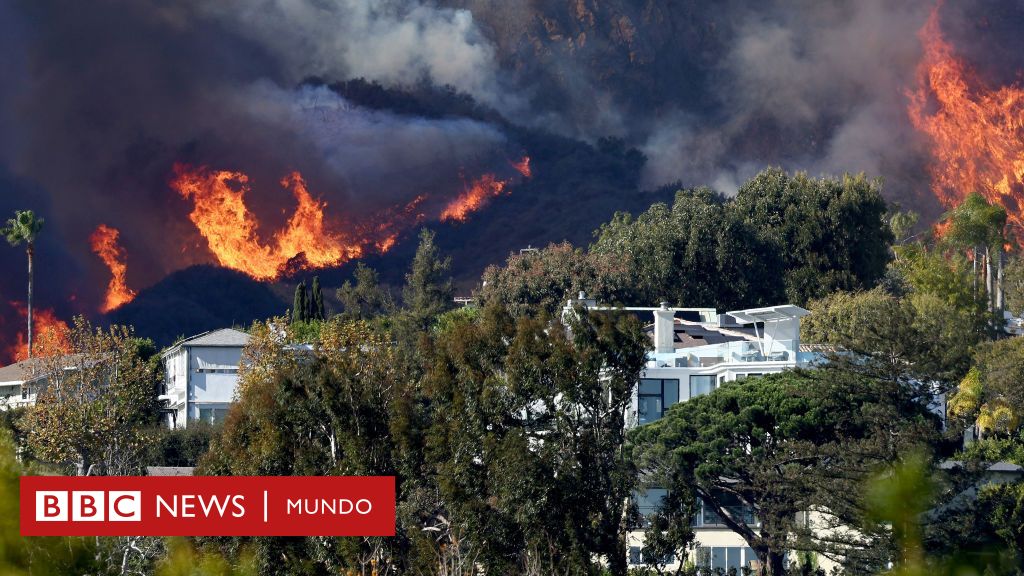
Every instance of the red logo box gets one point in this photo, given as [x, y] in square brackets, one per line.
[208, 506]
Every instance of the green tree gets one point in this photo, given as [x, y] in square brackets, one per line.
[784, 444]
[340, 410]
[543, 280]
[977, 225]
[24, 228]
[919, 337]
[317, 301]
[526, 437]
[365, 298]
[831, 232]
[991, 395]
[300, 304]
[428, 286]
[94, 402]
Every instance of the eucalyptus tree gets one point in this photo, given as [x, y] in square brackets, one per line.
[24, 228]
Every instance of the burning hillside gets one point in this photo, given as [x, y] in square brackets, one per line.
[49, 334]
[309, 240]
[976, 131]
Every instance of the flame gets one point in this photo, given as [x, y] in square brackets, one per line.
[479, 192]
[976, 132]
[105, 243]
[222, 217]
[307, 241]
[51, 335]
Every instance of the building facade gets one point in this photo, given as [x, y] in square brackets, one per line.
[696, 350]
[201, 376]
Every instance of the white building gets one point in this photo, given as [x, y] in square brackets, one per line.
[19, 384]
[201, 376]
[695, 351]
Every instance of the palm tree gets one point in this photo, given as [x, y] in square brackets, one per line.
[24, 228]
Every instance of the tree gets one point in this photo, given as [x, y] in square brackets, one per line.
[342, 409]
[428, 287]
[916, 338]
[991, 396]
[977, 224]
[317, 301]
[543, 280]
[788, 443]
[300, 304]
[526, 436]
[24, 228]
[364, 299]
[94, 402]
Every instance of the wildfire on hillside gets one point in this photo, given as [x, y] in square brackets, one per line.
[105, 242]
[976, 132]
[50, 334]
[309, 240]
[479, 192]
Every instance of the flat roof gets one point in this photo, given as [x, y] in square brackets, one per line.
[769, 314]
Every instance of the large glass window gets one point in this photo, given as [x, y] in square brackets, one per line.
[724, 558]
[702, 384]
[708, 516]
[654, 396]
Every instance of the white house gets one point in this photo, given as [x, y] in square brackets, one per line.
[695, 351]
[19, 383]
[201, 376]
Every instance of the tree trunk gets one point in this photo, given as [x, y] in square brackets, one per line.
[30, 250]
[988, 278]
[774, 564]
[1000, 302]
[974, 270]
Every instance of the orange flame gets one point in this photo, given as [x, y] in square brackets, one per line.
[51, 334]
[480, 192]
[976, 133]
[307, 241]
[105, 243]
[222, 217]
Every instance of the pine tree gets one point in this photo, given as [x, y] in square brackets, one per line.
[317, 301]
[428, 287]
[300, 307]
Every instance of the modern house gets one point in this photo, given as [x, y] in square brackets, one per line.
[696, 350]
[201, 376]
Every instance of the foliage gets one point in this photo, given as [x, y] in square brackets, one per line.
[23, 228]
[543, 280]
[337, 410]
[300, 304]
[990, 395]
[184, 560]
[94, 402]
[428, 287]
[787, 443]
[781, 237]
[366, 298]
[180, 446]
[918, 337]
[316, 301]
[526, 436]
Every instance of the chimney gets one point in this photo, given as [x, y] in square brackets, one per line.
[664, 329]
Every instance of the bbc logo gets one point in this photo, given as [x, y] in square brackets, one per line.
[88, 506]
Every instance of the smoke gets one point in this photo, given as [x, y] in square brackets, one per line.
[101, 98]
[816, 86]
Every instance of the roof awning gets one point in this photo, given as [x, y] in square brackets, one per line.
[769, 314]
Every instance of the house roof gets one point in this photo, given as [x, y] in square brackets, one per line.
[20, 372]
[226, 337]
[769, 314]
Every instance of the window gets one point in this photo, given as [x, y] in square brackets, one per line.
[217, 370]
[725, 558]
[708, 517]
[637, 556]
[212, 415]
[654, 395]
[703, 384]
